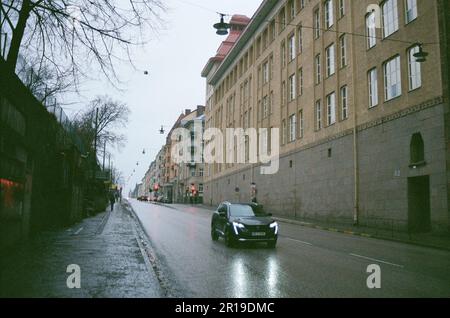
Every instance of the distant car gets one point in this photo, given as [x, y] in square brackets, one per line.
[143, 198]
[243, 222]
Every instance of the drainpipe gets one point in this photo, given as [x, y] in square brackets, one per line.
[355, 127]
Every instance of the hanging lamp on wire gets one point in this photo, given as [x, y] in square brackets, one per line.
[420, 56]
[222, 27]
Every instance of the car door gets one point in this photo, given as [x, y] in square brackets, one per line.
[222, 220]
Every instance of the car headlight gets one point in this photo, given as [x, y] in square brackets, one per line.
[237, 225]
[274, 225]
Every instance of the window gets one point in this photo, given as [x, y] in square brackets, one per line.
[343, 42]
[291, 47]
[300, 39]
[318, 69]
[371, 31]
[292, 127]
[201, 172]
[282, 18]
[265, 106]
[331, 109]
[264, 40]
[302, 4]
[283, 93]
[301, 124]
[341, 8]
[373, 87]
[316, 24]
[392, 78]
[410, 10]
[292, 9]
[292, 93]
[300, 81]
[329, 18]
[390, 17]
[283, 54]
[284, 132]
[193, 173]
[272, 30]
[344, 102]
[417, 153]
[200, 188]
[263, 141]
[330, 60]
[318, 115]
[414, 69]
[265, 72]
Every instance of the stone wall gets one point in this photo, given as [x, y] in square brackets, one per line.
[317, 182]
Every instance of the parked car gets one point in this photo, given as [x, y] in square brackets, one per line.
[243, 222]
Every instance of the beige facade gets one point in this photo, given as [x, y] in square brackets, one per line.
[307, 67]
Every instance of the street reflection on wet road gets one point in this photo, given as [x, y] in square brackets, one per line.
[305, 263]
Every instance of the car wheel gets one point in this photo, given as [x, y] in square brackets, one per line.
[272, 244]
[229, 240]
[214, 234]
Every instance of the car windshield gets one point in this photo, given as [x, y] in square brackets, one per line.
[246, 210]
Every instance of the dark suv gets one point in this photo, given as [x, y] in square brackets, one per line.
[242, 222]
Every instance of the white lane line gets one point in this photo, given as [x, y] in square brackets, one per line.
[376, 260]
[78, 232]
[298, 241]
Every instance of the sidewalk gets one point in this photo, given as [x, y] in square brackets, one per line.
[426, 239]
[104, 246]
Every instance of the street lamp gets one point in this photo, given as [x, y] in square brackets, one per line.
[420, 56]
[222, 27]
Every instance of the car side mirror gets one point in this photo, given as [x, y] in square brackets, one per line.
[222, 212]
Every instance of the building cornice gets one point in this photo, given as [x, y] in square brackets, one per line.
[258, 18]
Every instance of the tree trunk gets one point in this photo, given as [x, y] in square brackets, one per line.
[18, 34]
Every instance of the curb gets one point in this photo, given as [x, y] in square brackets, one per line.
[360, 234]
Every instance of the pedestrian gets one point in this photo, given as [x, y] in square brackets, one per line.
[112, 199]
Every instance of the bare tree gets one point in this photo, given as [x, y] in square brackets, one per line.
[43, 83]
[69, 35]
[103, 127]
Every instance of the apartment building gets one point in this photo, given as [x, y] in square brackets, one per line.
[173, 181]
[190, 180]
[364, 127]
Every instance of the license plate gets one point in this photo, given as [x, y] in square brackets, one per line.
[259, 234]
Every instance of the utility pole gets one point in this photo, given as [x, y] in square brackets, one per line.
[95, 144]
[96, 132]
[104, 155]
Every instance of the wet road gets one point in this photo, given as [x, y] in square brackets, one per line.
[306, 263]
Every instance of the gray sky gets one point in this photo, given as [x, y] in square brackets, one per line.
[174, 58]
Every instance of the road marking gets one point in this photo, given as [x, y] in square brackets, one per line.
[79, 230]
[376, 260]
[298, 241]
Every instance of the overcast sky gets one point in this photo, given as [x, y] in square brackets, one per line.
[174, 59]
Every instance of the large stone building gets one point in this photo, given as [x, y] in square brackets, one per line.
[364, 128]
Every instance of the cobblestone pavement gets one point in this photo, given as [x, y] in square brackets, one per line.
[104, 246]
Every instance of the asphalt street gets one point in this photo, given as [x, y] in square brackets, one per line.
[307, 262]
